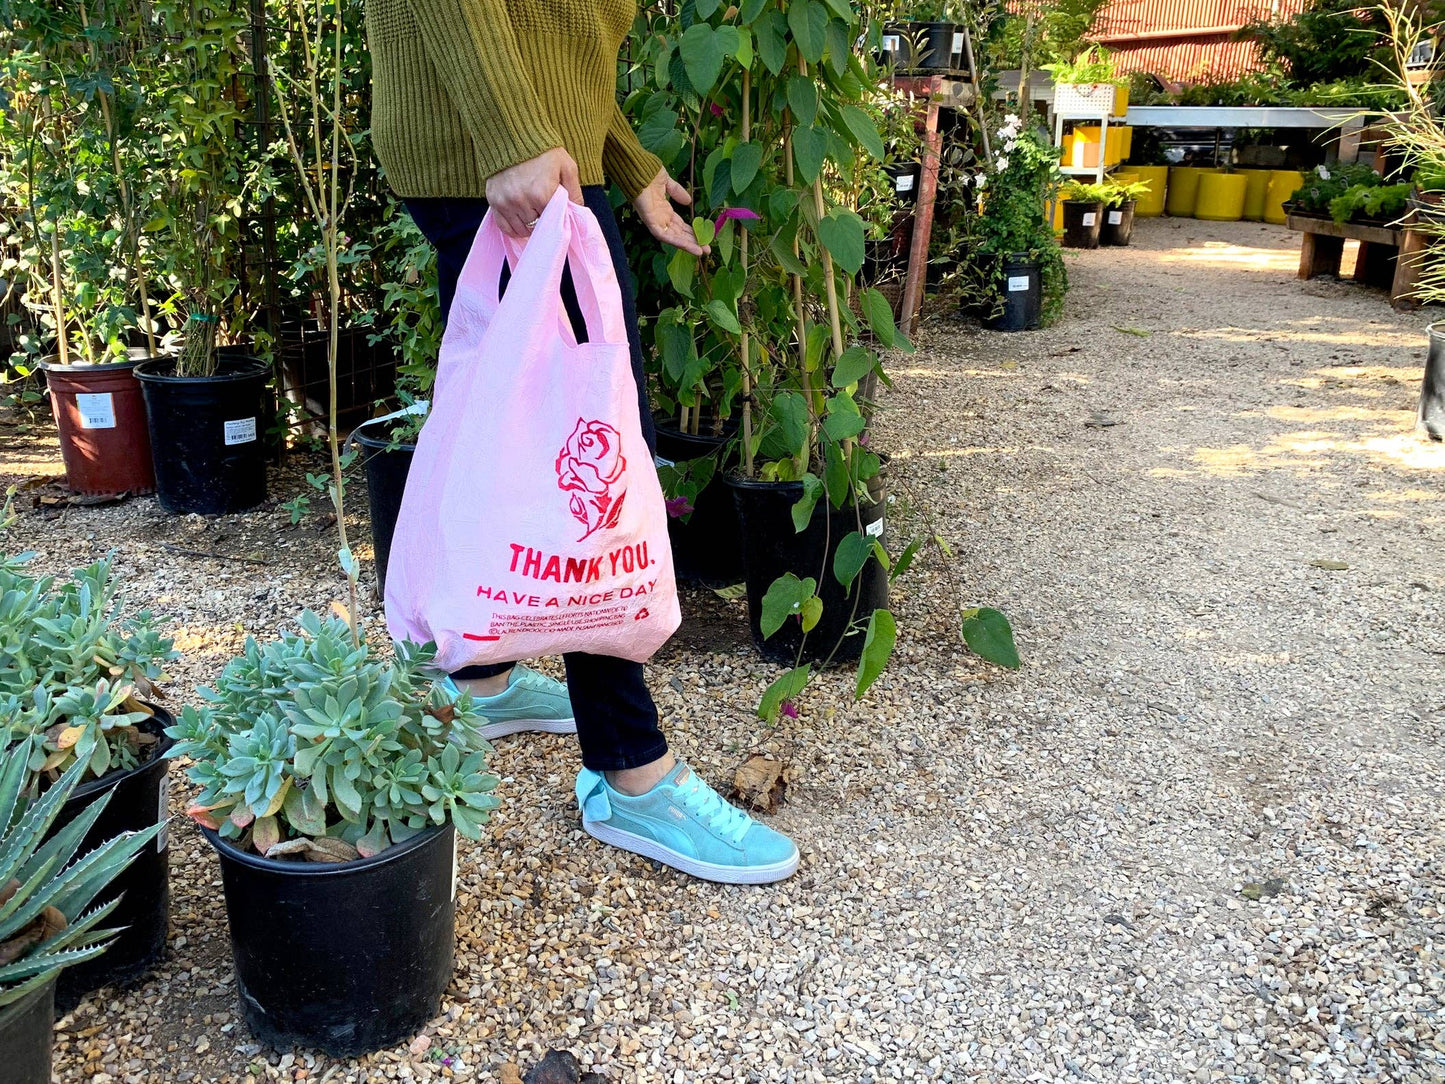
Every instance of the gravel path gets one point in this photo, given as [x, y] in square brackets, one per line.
[1197, 838]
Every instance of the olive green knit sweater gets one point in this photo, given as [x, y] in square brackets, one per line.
[462, 89]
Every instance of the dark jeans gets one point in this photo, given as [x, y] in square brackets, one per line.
[616, 717]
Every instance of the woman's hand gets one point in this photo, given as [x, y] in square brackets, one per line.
[519, 193]
[654, 207]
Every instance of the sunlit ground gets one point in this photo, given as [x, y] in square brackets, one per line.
[1237, 257]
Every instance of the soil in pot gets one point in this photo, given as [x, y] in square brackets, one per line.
[1082, 222]
[1021, 283]
[707, 548]
[25, 1037]
[137, 800]
[1118, 225]
[100, 413]
[771, 546]
[346, 957]
[387, 467]
[206, 435]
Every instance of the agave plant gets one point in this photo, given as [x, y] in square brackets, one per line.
[44, 887]
[72, 673]
[313, 746]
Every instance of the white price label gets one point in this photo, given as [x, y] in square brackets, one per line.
[97, 411]
[1116, 218]
[1090, 218]
[241, 431]
[890, 43]
[163, 812]
[1018, 283]
[958, 43]
[904, 183]
[456, 843]
[874, 529]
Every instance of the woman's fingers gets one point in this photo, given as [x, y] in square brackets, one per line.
[678, 194]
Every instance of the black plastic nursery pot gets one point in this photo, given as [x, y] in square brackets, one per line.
[1118, 225]
[1431, 415]
[1021, 283]
[206, 434]
[346, 957]
[25, 1037]
[387, 467]
[920, 47]
[771, 546]
[705, 549]
[905, 177]
[137, 801]
[1082, 222]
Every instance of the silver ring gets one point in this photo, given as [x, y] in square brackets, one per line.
[533, 223]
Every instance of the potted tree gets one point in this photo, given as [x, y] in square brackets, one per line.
[1084, 213]
[75, 685]
[920, 37]
[204, 405]
[1119, 204]
[45, 890]
[70, 90]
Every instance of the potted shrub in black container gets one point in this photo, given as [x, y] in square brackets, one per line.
[1084, 214]
[702, 522]
[922, 39]
[387, 445]
[51, 875]
[73, 687]
[333, 786]
[1118, 225]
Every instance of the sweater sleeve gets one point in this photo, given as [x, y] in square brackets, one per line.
[623, 158]
[472, 47]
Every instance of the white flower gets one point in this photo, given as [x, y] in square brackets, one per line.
[1001, 163]
[1012, 120]
[980, 179]
[1010, 145]
[1323, 172]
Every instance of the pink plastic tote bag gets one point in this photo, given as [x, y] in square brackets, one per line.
[533, 521]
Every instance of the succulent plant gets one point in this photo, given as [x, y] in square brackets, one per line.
[72, 673]
[44, 887]
[313, 746]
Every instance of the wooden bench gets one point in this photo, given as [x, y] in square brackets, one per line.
[1389, 255]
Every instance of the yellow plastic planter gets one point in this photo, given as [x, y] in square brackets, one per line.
[1282, 185]
[1255, 193]
[1183, 190]
[1151, 204]
[1115, 149]
[1121, 99]
[1083, 152]
[1221, 197]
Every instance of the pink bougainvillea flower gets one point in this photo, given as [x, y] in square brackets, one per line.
[733, 212]
[789, 709]
[679, 507]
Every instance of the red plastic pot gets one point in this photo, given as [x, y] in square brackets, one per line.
[101, 415]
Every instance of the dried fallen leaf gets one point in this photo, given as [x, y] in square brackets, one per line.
[1329, 566]
[759, 784]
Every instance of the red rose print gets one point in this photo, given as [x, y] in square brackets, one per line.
[591, 466]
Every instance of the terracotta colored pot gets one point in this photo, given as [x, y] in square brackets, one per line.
[101, 415]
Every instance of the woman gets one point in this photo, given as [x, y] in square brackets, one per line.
[497, 103]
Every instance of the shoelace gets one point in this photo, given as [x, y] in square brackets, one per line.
[726, 820]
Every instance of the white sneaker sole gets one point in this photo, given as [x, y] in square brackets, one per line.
[707, 871]
[507, 727]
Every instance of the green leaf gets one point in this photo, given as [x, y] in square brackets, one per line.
[810, 145]
[852, 554]
[808, 20]
[811, 613]
[843, 424]
[842, 235]
[785, 688]
[989, 636]
[744, 48]
[804, 506]
[840, 46]
[723, 316]
[842, 9]
[905, 559]
[877, 649]
[803, 100]
[784, 598]
[751, 9]
[864, 130]
[771, 31]
[705, 8]
[790, 411]
[680, 271]
[879, 314]
[746, 159]
[702, 55]
[703, 230]
[836, 476]
[855, 363]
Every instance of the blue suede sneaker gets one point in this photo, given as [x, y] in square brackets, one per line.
[530, 702]
[684, 823]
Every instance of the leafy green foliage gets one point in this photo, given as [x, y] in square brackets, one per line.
[1090, 66]
[44, 888]
[72, 674]
[313, 745]
[989, 636]
[1325, 183]
[1330, 40]
[1384, 201]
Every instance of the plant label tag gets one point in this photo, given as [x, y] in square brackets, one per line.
[874, 529]
[904, 183]
[97, 411]
[890, 43]
[658, 461]
[1018, 284]
[163, 812]
[1090, 218]
[1116, 218]
[240, 431]
[957, 43]
[456, 844]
